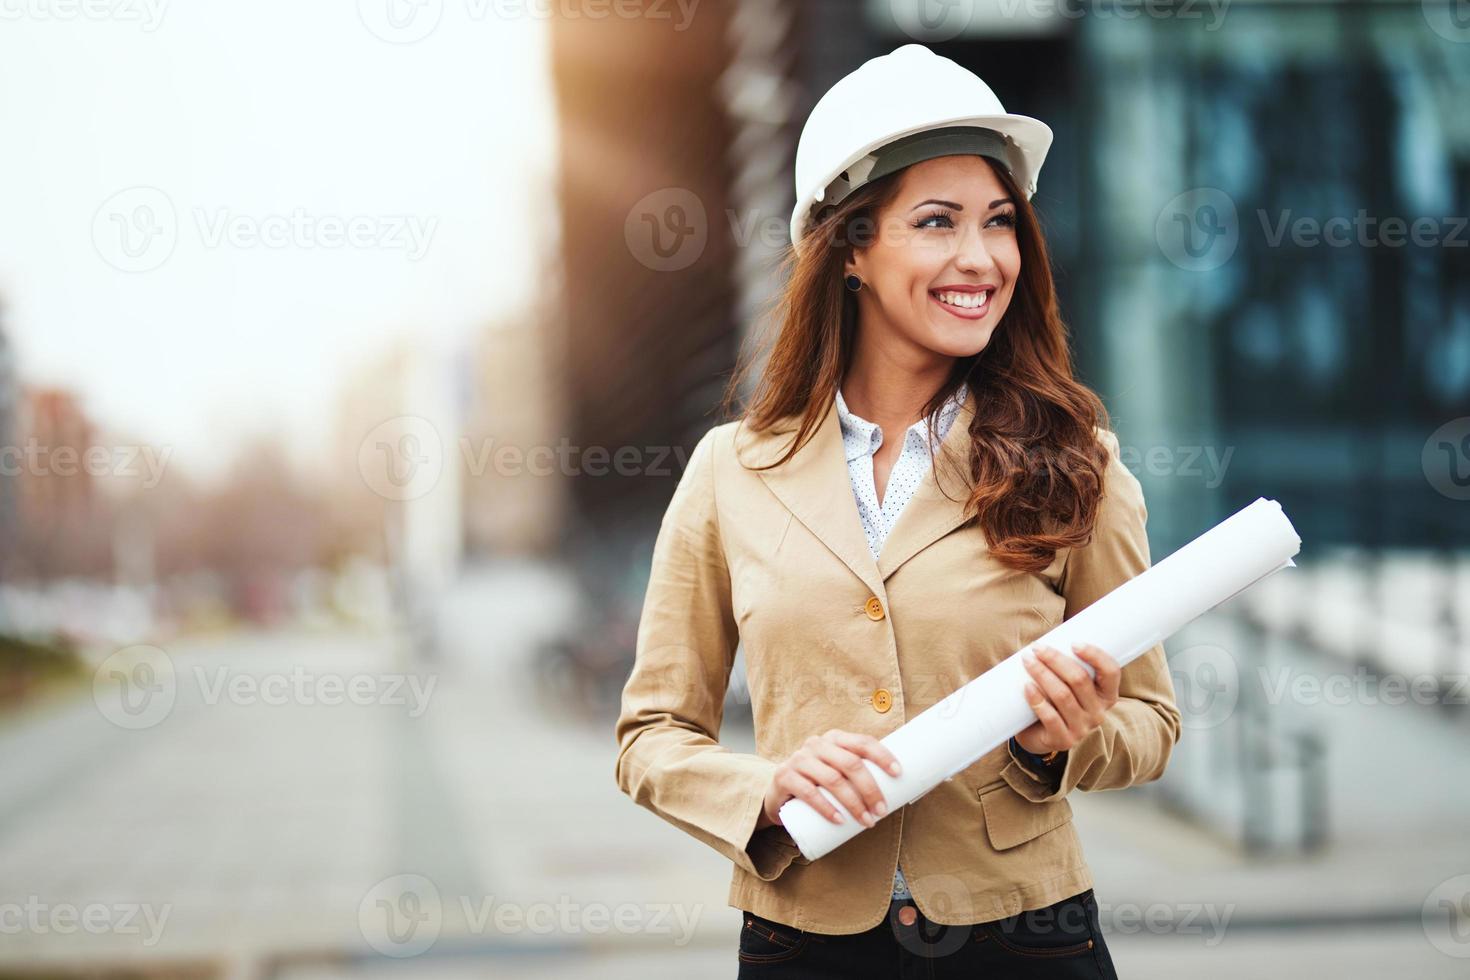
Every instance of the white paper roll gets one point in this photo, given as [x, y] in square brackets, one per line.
[1127, 622]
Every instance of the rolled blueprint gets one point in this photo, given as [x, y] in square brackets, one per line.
[1126, 623]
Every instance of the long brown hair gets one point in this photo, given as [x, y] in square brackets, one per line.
[1036, 465]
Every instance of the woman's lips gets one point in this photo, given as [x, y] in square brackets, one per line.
[951, 300]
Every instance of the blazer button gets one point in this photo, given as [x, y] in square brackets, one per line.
[874, 608]
[882, 700]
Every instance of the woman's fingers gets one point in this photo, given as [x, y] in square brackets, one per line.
[1057, 735]
[1075, 699]
[802, 788]
[1057, 692]
[1079, 682]
[825, 771]
[861, 747]
[854, 785]
[837, 762]
[798, 778]
[1109, 674]
[869, 747]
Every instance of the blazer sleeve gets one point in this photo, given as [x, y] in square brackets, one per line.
[1139, 732]
[669, 759]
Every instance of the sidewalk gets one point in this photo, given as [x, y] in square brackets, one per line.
[583, 835]
[279, 836]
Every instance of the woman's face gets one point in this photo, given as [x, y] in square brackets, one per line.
[943, 261]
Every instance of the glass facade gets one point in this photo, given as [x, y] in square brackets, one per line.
[1277, 265]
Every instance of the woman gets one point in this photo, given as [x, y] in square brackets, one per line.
[868, 576]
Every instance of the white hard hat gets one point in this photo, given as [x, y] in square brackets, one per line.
[905, 106]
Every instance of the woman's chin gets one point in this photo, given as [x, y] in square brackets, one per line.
[961, 339]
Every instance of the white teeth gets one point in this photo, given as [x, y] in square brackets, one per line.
[967, 301]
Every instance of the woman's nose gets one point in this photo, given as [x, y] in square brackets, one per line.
[972, 255]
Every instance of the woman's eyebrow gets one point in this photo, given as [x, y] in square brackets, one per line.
[959, 207]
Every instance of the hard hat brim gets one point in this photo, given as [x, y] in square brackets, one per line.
[1030, 137]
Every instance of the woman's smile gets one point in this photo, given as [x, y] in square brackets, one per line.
[966, 302]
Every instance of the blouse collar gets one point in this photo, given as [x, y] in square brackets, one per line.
[861, 437]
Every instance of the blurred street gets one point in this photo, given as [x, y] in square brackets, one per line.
[266, 829]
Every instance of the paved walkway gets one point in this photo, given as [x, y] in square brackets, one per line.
[486, 834]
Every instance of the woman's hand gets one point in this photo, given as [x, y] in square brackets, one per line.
[1073, 703]
[834, 761]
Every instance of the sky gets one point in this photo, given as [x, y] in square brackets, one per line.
[213, 212]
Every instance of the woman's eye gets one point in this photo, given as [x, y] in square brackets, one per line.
[943, 219]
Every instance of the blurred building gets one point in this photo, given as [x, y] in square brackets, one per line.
[1324, 362]
[649, 266]
[397, 469]
[513, 483]
[61, 517]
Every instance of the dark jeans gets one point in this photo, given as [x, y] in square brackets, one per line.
[1061, 940]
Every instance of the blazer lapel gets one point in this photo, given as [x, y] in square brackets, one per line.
[814, 485]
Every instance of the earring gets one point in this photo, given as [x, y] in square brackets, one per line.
[854, 283]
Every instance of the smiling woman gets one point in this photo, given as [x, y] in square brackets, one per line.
[930, 277]
[918, 302]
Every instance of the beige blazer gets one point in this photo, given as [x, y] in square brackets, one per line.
[777, 561]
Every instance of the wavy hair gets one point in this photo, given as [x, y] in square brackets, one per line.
[1036, 466]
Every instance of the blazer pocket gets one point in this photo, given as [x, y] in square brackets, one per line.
[1011, 819]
